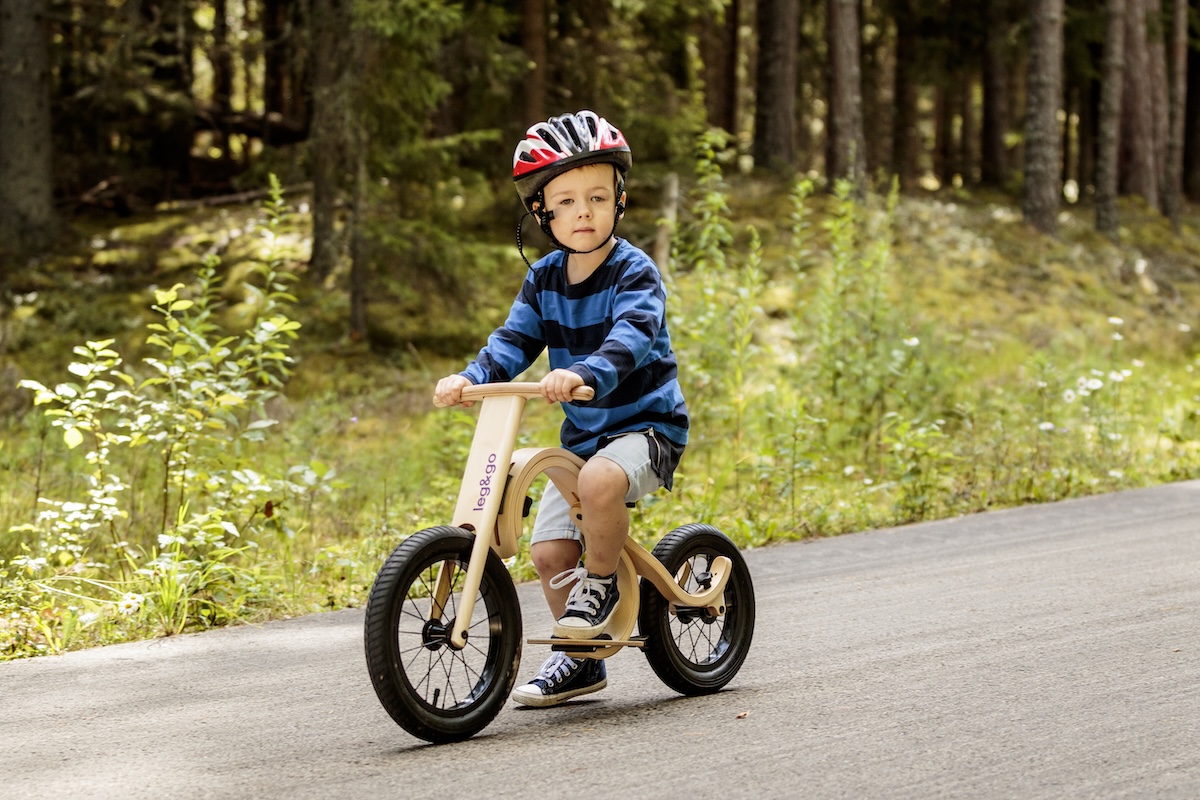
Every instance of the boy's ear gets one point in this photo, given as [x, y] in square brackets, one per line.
[543, 217]
[621, 205]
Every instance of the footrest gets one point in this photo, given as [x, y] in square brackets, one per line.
[588, 645]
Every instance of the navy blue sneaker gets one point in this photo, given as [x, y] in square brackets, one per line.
[562, 678]
[589, 606]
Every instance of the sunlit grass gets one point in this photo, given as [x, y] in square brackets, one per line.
[971, 365]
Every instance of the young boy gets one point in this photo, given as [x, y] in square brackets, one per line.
[597, 305]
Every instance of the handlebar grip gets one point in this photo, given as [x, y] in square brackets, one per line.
[526, 389]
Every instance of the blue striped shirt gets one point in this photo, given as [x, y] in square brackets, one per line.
[611, 330]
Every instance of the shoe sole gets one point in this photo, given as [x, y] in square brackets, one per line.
[544, 701]
[569, 632]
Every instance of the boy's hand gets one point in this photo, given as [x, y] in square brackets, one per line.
[449, 392]
[556, 387]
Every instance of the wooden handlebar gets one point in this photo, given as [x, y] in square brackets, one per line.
[519, 389]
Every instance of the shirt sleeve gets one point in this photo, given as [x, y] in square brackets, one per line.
[511, 348]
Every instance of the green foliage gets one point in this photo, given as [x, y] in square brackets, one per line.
[847, 418]
[864, 363]
[198, 414]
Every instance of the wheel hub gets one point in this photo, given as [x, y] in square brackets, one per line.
[436, 634]
[688, 614]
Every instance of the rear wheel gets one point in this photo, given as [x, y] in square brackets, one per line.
[433, 690]
[690, 649]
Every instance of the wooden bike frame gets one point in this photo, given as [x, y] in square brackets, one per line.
[491, 504]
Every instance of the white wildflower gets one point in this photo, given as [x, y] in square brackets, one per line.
[130, 603]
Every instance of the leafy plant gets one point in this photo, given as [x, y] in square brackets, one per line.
[199, 412]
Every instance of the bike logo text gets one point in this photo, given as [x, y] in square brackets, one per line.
[485, 483]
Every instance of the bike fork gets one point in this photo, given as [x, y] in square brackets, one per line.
[479, 499]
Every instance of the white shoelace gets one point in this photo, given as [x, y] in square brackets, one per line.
[587, 593]
[556, 666]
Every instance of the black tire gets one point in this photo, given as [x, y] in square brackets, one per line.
[690, 650]
[433, 691]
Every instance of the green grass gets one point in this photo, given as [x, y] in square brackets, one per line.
[970, 364]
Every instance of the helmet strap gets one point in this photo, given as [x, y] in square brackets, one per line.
[521, 249]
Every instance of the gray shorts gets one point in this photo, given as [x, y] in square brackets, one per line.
[631, 452]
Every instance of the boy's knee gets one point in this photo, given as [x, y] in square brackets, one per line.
[604, 481]
[554, 556]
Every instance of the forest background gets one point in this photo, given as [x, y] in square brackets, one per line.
[924, 258]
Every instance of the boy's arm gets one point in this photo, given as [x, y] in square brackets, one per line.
[511, 348]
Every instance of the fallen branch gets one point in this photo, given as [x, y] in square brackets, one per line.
[228, 199]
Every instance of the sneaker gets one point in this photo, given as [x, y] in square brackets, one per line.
[562, 678]
[589, 606]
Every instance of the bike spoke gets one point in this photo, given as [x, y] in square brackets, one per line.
[444, 678]
[698, 640]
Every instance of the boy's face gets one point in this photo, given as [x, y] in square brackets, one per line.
[584, 202]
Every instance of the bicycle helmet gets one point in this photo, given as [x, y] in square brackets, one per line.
[560, 144]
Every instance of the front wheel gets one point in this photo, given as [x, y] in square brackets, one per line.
[692, 651]
[431, 689]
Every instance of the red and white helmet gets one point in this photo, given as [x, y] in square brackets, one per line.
[562, 143]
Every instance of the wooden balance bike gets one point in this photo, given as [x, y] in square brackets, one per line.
[443, 623]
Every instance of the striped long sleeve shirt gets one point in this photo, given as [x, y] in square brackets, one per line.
[611, 330]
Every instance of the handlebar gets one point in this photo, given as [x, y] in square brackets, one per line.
[527, 389]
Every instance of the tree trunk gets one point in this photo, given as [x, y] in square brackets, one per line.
[222, 79]
[905, 137]
[329, 144]
[171, 54]
[28, 220]
[1191, 152]
[1043, 154]
[878, 81]
[275, 56]
[847, 144]
[1139, 172]
[533, 40]
[775, 109]
[719, 44]
[1070, 108]
[358, 244]
[993, 169]
[1085, 163]
[943, 133]
[1173, 183]
[1159, 82]
[968, 133]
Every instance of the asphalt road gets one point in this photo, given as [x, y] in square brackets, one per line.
[1043, 652]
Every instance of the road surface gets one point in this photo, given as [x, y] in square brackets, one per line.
[1044, 652]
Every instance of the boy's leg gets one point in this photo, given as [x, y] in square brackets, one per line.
[561, 677]
[553, 557]
[603, 485]
[621, 472]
